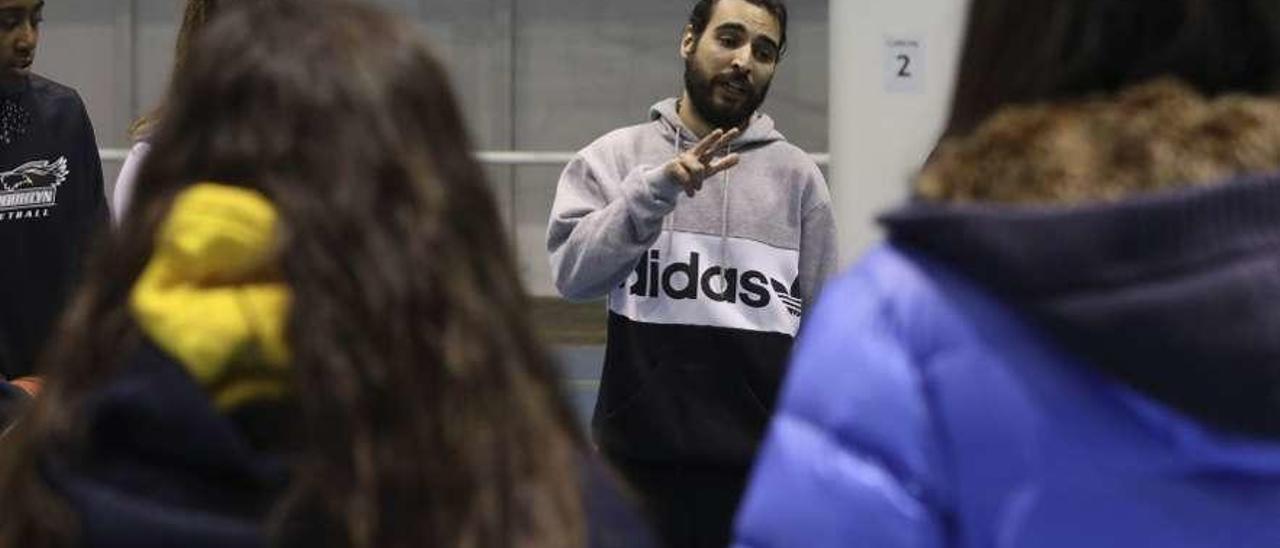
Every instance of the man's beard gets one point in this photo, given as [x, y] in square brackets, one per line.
[701, 88]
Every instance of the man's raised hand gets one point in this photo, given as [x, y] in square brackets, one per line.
[691, 167]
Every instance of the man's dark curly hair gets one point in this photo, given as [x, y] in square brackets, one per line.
[701, 15]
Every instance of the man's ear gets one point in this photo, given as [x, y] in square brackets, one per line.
[687, 42]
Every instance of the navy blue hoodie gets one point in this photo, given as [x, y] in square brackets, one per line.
[160, 466]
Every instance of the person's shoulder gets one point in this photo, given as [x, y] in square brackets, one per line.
[791, 155]
[791, 151]
[49, 90]
[880, 326]
[621, 149]
[885, 277]
[789, 163]
[918, 298]
[623, 138]
[59, 104]
[140, 148]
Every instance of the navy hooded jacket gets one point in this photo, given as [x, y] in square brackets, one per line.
[161, 467]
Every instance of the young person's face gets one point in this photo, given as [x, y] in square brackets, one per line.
[19, 33]
[728, 68]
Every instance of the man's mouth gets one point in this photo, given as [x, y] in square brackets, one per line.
[736, 87]
[23, 63]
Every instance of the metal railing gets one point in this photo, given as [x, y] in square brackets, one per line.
[491, 157]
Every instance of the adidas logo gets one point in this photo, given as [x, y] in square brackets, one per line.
[788, 296]
[688, 280]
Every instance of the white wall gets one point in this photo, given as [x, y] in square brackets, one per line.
[878, 137]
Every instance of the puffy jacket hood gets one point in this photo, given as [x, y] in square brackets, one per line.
[1142, 231]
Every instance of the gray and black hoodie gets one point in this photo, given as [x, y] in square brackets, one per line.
[705, 293]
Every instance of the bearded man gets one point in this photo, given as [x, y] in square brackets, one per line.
[708, 233]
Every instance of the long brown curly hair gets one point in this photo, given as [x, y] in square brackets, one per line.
[195, 17]
[430, 415]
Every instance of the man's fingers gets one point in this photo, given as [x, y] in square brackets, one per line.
[720, 144]
[707, 143]
[696, 165]
[680, 173]
[713, 142]
[695, 168]
[721, 164]
[725, 139]
[677, 171]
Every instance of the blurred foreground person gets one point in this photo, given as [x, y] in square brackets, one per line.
[310, 333]
[1071, 337]
[195, 16]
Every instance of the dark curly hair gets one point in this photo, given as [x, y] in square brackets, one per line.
[701, 16]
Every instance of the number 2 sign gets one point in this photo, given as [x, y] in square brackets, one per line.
[904, 63]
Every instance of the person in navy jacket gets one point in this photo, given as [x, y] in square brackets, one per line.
[52, 203]
[1070, 336]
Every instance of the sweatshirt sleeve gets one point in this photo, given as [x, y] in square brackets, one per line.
[601, 225]
[91, 213]
[96, 215]
[122, 195]
[818, 253]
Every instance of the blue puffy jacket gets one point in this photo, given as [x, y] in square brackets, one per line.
[1101, 376]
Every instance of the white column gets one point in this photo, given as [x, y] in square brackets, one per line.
[886, 111]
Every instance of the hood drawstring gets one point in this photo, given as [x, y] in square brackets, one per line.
[724, 219]
[668, 223]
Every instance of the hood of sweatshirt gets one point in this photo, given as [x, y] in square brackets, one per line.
[1141, 230]
[759, 130]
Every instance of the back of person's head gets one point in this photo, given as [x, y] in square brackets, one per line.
[428, 413]
[195, 17]
[1027, 51]
[700, 17]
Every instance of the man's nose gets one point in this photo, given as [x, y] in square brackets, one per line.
[26, 37]
[742, 60]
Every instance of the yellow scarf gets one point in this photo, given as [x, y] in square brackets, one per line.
[211, 296]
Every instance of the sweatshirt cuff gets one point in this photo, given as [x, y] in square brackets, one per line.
[663, 187]
[650, 195]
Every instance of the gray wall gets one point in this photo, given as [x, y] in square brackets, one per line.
[532, 75]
